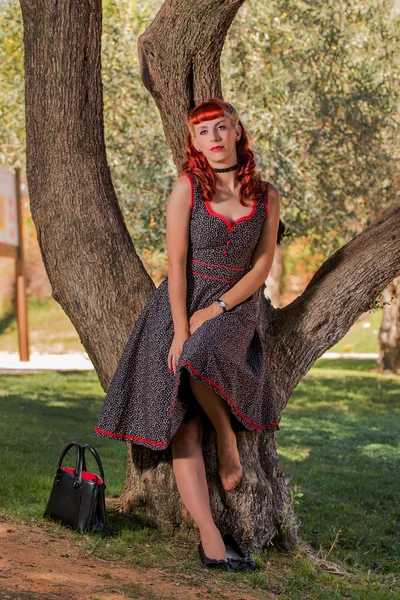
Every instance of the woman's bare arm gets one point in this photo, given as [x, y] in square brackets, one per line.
[178, 217]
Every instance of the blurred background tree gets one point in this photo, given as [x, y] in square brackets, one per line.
[316, 84]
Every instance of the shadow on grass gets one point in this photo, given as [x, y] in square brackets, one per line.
[133, 522]
[338, 438]
[346, 364]
[7, 319]
[39, 415]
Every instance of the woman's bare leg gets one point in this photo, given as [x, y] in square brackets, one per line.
[190, 476]
[217, 410]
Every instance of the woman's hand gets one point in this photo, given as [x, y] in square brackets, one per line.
[197, 319]
[176, 350]
[203, 314]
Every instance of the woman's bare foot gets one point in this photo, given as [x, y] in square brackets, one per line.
[213, 544]
[230, 468]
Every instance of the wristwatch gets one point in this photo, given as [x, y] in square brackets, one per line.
[222, 304]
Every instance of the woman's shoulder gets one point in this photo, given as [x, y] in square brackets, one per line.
[183, 180]
[272, 192]
[269, 195]
[184, 187]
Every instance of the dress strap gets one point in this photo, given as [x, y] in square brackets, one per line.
[263, 195]
[195, 190]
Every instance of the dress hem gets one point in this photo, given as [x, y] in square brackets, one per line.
[122, 437]
[249, 425]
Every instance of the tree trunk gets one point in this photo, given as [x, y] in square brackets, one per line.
[87, 251]
[274, 279]
[99, 280]
[389, 333]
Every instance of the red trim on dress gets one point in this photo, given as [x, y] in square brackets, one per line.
[259, 427]
[175, 397]
[131, 437]
[218, 265]
[216, 278]
[266, 199]
[191, 183]
[230, 225]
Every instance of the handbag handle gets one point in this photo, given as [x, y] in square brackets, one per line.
[78, 466]
[97, 457]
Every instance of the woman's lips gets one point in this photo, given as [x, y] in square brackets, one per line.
[216, 148]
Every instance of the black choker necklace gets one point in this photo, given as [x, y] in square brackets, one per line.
[226, 169]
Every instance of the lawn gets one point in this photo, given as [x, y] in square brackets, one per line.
[338, 439]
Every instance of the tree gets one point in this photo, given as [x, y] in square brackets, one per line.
[12, 126]
[96, 274]
[326, 133]
[389, 333]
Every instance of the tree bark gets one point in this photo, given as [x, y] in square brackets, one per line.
[87, 251]
[389, 333]
[274, 280]
[179, 58]
[93, 268]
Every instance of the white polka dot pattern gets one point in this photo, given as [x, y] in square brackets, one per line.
[146, 403]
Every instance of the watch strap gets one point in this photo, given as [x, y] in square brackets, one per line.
[222, 303]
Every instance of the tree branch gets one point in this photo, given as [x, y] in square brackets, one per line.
[340, 291]
[179, 56]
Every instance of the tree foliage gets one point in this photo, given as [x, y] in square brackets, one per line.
[316, 83]
[12, 115]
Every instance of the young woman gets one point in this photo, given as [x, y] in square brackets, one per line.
[196, 355]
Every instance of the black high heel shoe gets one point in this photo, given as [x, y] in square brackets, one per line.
[235, 555]
[213, 563]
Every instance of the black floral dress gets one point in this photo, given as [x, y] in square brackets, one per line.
[146, 402]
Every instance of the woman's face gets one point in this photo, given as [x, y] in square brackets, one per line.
[220, 134]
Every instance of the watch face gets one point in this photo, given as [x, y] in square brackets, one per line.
[222, 303]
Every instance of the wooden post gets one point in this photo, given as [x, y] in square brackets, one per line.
[22, 311]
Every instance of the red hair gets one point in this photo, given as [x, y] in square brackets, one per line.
[195, 162]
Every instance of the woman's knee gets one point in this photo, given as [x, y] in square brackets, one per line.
[189, 435]
[198, 387]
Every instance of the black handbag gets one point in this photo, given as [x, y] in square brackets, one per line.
[77, 497]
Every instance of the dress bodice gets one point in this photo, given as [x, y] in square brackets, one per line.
[219, 249]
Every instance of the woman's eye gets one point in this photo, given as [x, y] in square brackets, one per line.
[205, 130]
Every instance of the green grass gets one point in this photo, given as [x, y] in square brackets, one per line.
[338, 438]
[40, 414]
[50, 329]
[62, 337]
[362, 336]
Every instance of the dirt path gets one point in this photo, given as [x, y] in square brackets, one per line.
[37, 565]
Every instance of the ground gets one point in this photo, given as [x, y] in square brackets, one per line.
[37, 565]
